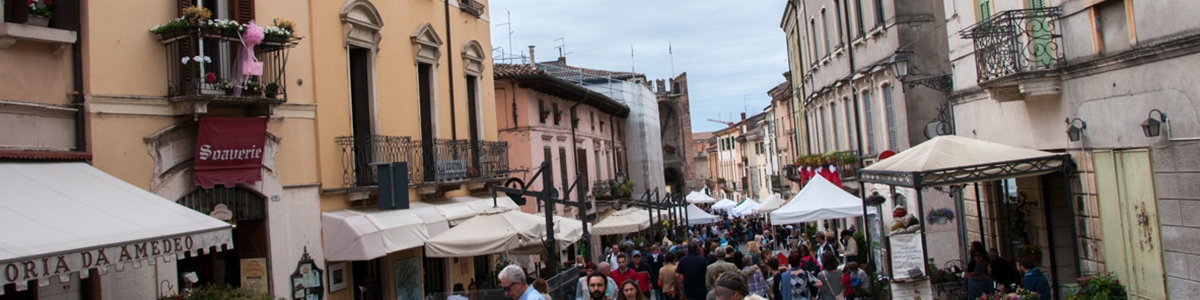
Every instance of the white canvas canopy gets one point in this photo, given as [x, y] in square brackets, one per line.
[698, 197]
[365, 234]
[492, 231]
[771, 204]
[818, 200]
[724, 204]
[972, 157]
[697, 216]
[623, 221]
[567, 231]
[746, 208]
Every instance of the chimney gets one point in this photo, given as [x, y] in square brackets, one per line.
[743, 116]
[531, 60]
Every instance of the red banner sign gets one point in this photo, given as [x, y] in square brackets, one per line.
[229, 151]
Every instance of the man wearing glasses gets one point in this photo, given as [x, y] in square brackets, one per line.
[512, 279]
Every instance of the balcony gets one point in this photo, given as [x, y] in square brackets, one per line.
[1018, 54]
[441, 163]
[475, 8]
[203, 68]
[845, 161]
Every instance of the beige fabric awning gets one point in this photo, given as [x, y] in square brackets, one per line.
[65, 218]
[365, 234]
[493, 231]
[623, 221]
[950, 159]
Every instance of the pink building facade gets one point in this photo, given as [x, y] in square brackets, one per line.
[547, 119]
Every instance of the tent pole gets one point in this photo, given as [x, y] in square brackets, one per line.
[979, 217]
[920, 213]
[862, 192]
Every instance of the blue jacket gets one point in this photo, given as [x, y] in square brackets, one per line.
[1036, 281]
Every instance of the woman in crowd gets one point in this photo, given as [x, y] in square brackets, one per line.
[630, 291]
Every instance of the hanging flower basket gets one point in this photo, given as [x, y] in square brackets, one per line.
[940, 216]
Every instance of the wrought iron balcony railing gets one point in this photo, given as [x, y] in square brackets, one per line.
[475, 8]
[442, 161]
[206, 62]
[1017, 41]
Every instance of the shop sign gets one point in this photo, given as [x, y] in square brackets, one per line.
[307, 279]
[121, 256]
[254, 274]
[229, 151]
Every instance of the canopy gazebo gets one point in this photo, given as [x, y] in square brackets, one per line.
[698, 197]
[747, 207]
[818, 200]
[724, 204]
[951, 160]
[770, 204]
[697, 216]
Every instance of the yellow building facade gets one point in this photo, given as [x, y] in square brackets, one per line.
[406, 85]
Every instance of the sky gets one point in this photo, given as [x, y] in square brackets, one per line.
[733, 51]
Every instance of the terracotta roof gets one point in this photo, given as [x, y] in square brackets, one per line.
[509, 70]
[561, 69]
[702, 135]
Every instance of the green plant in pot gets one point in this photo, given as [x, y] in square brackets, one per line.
[252, 88]
[622, 189]
[271, 90]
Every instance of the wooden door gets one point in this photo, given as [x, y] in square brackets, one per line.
[1129, 218]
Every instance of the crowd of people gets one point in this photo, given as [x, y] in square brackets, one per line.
[988, 273]
[734, 258]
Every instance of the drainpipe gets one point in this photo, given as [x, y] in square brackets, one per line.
[450, 71]
[77, 98]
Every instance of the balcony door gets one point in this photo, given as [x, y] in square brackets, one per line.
[361, 115]
[425, 86]
[473, 119]
[1040, 47]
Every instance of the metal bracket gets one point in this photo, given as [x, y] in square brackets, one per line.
[943, 82]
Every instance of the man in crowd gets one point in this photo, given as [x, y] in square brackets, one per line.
[597, 286]
[623, 272]
[612, 255]
[655, 258]
[721, 263]
[512, 281]
[691, 271]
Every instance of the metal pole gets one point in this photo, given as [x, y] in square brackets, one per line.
[548, 210]
[583, 214]
[920, 212]
[979, 217]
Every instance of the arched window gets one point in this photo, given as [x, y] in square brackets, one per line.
[891, 116]
[363, 23]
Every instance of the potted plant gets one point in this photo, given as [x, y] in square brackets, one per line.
[558, 116]
[173, 28]
[543, 112]
[622, 189]
[222, 27]
[195, 14]
[940, 216]
[575, 122]
[1102, 286]
[1031, 251]
[39, 13]
[252, 88]
[271, 90]
[279, 31]
[226, 86]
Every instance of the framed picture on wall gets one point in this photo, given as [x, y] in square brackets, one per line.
[337, 276]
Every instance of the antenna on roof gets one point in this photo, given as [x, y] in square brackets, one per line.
[672, 55]
[510, 33]
[562, 47]
[632, 62]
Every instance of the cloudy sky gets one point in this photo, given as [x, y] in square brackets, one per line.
[732, 51]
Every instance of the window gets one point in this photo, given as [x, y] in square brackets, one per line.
[825, 32]
[542, 110]
[858, 17]
[851, 127]
[983, 9]
[557, 113]
[891, 116]
[824, 134]
[564, 174]
[837, 12]
[879, 13]
[870, 122]
[833, 125]
[592, 119]
[812, 40]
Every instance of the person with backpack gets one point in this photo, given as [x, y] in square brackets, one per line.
[796, 283]
[807, 262]
[831, 287]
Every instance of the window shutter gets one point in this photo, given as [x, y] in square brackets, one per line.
[66, 15]
[16, 11]
[187, 48]
[243, 10]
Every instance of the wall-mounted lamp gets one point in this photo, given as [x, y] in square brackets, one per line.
[1152, 127]
[899, 61]
[1075, 132]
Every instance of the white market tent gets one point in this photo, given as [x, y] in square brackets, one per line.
[698, 197]
[818, 200]
[697, 216]
[771, 204]
[724, 204]
[746, 208]
[492, 231]
[623, 221]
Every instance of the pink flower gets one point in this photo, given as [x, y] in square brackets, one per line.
[210, 77]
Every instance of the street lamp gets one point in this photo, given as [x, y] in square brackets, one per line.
[1075, 132]
[620, 176]
[900, 66]
[1152, 127]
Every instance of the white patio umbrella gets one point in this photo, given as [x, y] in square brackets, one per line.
[623, 221]
[492, 231]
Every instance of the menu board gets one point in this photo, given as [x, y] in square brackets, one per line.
[306, 281]
[908, 258]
